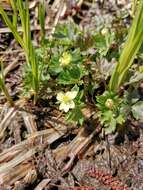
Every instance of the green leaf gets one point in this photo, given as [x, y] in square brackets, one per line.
[76, 57]
[137, 110]
[120, 119]
[107, 117]
[75, 115]
[54, 66]
[111, 128]
[71, 76]
[102, 43]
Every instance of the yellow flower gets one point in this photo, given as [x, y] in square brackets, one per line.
[104, 31]
[65, 59]
[66, 100]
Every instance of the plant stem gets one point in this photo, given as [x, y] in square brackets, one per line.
[4, 89]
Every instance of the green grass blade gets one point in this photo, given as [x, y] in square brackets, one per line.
[21, 10]
[25, 42]
[12, 28]
[4, 88]
[131, 47]
[27, 24]
[42, 13]
[13, 5]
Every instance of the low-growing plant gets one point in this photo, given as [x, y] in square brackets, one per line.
[111, 113]
[72, 66]
[112, 109]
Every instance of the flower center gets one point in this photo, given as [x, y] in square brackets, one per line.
[65, 59]
[66, 99]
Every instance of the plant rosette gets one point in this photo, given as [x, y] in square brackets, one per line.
[66, 100]
[109, 105]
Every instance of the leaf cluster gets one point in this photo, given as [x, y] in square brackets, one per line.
[110, 111]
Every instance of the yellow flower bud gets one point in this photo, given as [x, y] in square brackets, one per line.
[104, 31]
[109, 103]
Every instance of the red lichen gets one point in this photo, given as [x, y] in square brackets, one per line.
[107, 179]
[82, 188]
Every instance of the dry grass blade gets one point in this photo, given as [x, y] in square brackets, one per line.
[42, 184]
[19, 29]
[16, 173]
[10, 67]
[60, 12]
[7, 120]
[23, 156]
[30, 177]
[29, 122]
[15, 156]
[78, 144]
[48, 135]
[5, 5]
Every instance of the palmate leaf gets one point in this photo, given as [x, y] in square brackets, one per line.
[137, 110]
[75, 115]
[70, 76]
[132, 45]
[111, 128]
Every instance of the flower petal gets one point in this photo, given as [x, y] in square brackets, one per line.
[71, 94]
[60, 96]
[64, 107]
[71, 104]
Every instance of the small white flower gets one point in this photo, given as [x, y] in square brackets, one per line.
[66, 100]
